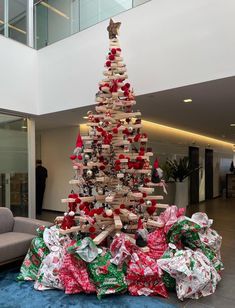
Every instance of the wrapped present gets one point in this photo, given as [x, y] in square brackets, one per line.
[187, 233]
[48, 273]
[207, 235]
[120, 249]
[184, 233]
[74, 276]
[157, 243]
[170, 216]
[143, 276]
[108, 278]
[84, 249]
[36, 253]
[194, 274]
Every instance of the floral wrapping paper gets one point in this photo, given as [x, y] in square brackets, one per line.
[143, 276]
[33, 259]
[108, 278]
[194, 274]
[48, 274]
[74, 276]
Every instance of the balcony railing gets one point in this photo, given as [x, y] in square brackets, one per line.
[39, 23]
[57, 19]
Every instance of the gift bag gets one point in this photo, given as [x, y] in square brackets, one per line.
[194, 274]
[108, 278]
[170, 216]
[35, 255]
[85, 249]
[48, 273]
[143, 276]
[157, 243]
[120, 249]
[74, 276]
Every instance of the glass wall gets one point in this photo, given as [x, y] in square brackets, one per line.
[17, 20]
[2, 17]
[57, 19]
[14, 164]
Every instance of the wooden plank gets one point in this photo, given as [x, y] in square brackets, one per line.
[155, 224]
[102, 236]
[128, 214]
[117, 222]
[72, 229]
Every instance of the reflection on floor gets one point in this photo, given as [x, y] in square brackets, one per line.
[223, 214]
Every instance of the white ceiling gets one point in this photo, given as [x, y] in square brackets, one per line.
[211, 112]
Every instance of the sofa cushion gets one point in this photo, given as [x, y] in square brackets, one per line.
[6, 220]
[14, 245]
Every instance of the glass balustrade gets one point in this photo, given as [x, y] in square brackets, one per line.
[57, 19]
[53, 20]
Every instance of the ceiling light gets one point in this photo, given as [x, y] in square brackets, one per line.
[233, 124]
[188, 100]
[23, 126]
[85, 117]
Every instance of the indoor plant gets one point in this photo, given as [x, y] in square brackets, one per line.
[179, 171]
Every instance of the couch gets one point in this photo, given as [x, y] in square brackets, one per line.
[16, 234]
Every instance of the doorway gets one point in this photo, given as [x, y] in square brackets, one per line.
[194, 178]
[208, 174]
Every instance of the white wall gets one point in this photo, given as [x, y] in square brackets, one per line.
[166, 44]
[18, 77]
[58, 144]
[56, 147]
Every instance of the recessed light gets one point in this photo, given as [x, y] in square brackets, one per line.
[188, 100]
[85, 117]
[23, 126]
[233, 124]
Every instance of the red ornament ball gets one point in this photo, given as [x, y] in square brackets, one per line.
[92, 229]
[73, 157]
[113, 51]
[111, 57]
[117, 211]
[108, 63]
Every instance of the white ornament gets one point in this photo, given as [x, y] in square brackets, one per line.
[71, 213]
[89, 173]
[109, 212]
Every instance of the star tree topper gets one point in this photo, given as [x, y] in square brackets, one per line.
[113, 29]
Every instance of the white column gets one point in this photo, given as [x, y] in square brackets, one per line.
[6, 18]
[30, 23]
[31, 169]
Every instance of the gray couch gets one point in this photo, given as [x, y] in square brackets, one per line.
[16, 234]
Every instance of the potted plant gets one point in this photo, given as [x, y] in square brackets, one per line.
[179, 171]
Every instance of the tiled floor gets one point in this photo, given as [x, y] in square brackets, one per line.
[223, 214]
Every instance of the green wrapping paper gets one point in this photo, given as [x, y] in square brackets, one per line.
[169, 281]
[185, 233]
[108, 278]
[36, 253]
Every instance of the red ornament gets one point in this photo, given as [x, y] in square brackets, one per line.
[111, 57]
[92, 229]
[108, 63]
[99, 211]
[81, 206]
[80, 157]
[154, 202]
[73, 157]
[113, 51]
[92, 236]
[144, 195]
[151, 210]
[121, 156]
[122, 206]
[115, 130]
[117, 211]
[77, 200]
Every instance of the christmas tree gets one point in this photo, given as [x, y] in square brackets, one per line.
[114, 181]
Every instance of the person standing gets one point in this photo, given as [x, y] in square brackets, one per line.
[41, 176]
